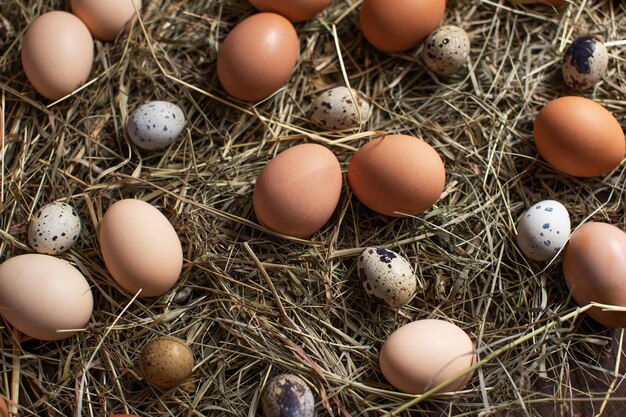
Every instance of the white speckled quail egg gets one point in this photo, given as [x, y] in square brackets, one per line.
[288, 396]
[585, 63]
[54, 229]
[6, 31]
[334, 109]
[446, 50]
[387, 277]
[156, 124]
[543, 230]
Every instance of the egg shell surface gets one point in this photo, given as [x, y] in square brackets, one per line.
[42, 296]
[140, 248]
[387, 276]
[156, 124]
[585, 63]
[543, 230]
[298, 191]
[54, 229]
[258, 56]
[288, 395]
[579, 137]
[594, 267]
[57, 54]
[397, 175]
[294, 10]
[335, 109]
[446, 50]
[166, 362]
[105, 19]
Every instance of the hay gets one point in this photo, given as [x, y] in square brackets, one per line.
[252, 304]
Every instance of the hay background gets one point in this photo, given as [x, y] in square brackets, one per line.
[469, 269]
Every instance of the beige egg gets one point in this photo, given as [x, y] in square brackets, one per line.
[105, 19]
[446, 50]
[54, 229]
[166, 362]
[335, 109]
[288, 395]
[387, 277]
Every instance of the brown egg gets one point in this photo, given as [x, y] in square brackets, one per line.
[298, 190]
[400, 24]
[594, 267]
[258, 56]
[57, 54]
[105, 19]
[397, 175]
[44, 297]
[425, 353]
[294, 10]
[579, 137]
[166, 362]
[140, 247]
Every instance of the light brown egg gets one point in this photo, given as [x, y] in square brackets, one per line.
[298, 190]
[594, 267]
[105, 19]
[294, 10]
[258, 56]
[425, 353]
[397, 175]
[579, 137]
[57, 54]
[140, 247]
[398, 25]
[166, 362]
[44, 297]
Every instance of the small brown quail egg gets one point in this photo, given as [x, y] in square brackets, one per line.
[156, 124]
[54, 229]
[166, 362]
[288, 396]
[585, 63]
[387, 277]
[334, 109]
[6, 31]
[446, 50]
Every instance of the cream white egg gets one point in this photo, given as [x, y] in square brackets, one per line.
[387, 277]
[543, 230]
[156, 124]
[54, 229]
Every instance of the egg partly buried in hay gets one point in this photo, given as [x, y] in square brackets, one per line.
[387, 276]
[258, 56]
[288, 395]
[57, 54]
[394, 26]
[294, 10]
[425, 353]
[543, 230]
[105, 19]
[298, 191]
[44, 297]
[579, 137]
[585, 63]
[54, 229]
[166, 362]
[140, 248]
[397, 175]
[594, 267]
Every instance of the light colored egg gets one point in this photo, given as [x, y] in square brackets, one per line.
[397, 175]
[57, 54]
[258, 56]
[166, 362]
[298, 191]
[579, 137]
[7, 33]
[156, 124]
[585, 63]
[335, 109]
[446, 50]
[387, 276]
[54, 229]
[594, 267]
[44, 297]
[294, 10]
[425, 353]
[105, 19]
[543, 230]
[399, 25]
[140, 248]
[288, 396]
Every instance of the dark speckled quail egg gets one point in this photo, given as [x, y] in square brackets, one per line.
[585, 63]
[446, 50]
[6, 31]
[288, 396]
[166, 362]
[334, 109]
[543, 230]
[156, 124]
[387, 277]
[54, 229]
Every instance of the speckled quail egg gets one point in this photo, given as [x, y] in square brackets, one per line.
[54, 229]
[543, 230]
[288, 396]
[166, 362]
[585, 63]
[334, 109]
[156, 124]
[446, 50]
[387, 277]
